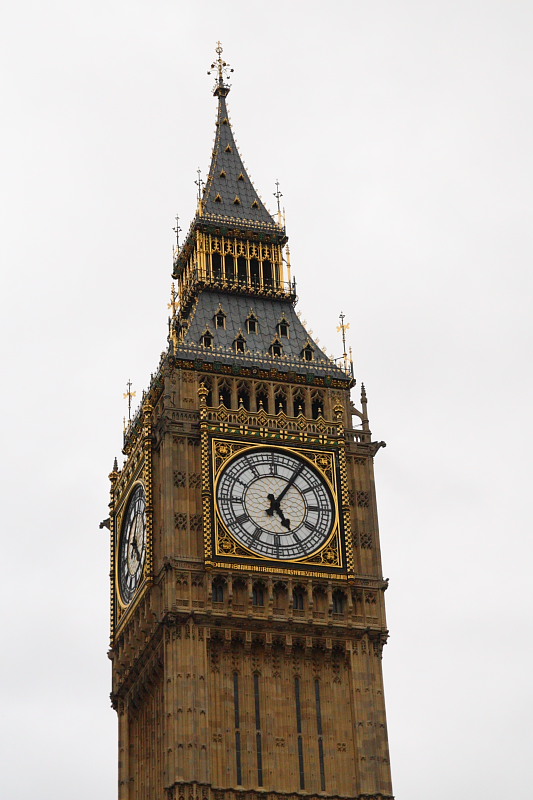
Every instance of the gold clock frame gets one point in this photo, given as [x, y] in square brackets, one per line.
[137, 470]
[219, 542]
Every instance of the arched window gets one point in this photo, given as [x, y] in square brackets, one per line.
[224, 390]
[298, 599]
[243, 394]
[258, 594]
[338, 602]
[281, 400]
[267, 273]
[261, 397]
[298, 402]
[254, 271]
[216, 266]
[317, 405]
[218, 591]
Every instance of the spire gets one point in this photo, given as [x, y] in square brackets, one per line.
[229, 192]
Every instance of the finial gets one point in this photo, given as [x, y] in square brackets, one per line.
[363, 393]
[289, 267]
[173, 300]
[278, 195]
[115, 465]
[177, 231]
[222, 70]
[199, 183]
[129, 394]
[343, 327]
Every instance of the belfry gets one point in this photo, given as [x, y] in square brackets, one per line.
[247, 596]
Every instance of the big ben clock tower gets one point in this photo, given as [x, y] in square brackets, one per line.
[247, 595]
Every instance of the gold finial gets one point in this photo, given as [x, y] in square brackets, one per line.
[278, 195]
[289, 265]
[222, 70]
[173, 301]
[129, 394]
[199, 183]
[343, 327]
[177, 231]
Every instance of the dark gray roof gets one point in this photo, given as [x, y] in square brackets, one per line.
[269, 313]
[228, 180]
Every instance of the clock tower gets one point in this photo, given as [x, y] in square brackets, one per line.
[247, 597]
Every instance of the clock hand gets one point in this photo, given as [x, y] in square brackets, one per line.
[134, 547]
[284, 521]
[274, 506]
[289, 484]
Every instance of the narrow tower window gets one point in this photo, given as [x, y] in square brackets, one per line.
[258, 742]
[237, 727]
[218, 592]
[320, 736]
[258, 595]
[299, 731]
[251, 324]
[298, 599]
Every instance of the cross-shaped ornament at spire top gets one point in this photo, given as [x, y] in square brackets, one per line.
[221, 67]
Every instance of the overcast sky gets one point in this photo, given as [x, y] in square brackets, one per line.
[401, 134]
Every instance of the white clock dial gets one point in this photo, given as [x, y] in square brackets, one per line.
[275, 503]
[132, 554]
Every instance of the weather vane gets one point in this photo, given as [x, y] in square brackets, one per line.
[199, 183]
[177, 230]
[221, 67]
[129, 394]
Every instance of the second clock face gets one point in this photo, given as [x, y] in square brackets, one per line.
[275, 503]
[132, 555]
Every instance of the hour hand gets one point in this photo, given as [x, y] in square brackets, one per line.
[284, 521]
[273, 505]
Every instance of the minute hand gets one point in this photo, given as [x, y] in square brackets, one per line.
[288, 486]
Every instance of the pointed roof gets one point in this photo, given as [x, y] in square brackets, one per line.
[229, 192]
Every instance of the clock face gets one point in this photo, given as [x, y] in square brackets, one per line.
[275, 503]
[132, 553]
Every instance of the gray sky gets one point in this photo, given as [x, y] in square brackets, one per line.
[401, 136]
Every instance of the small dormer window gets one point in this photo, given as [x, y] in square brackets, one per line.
[308, 353]
[223, 173]
[240, 344]
[220, 319]
[241, 177]
[255, 204]
[276, 349]
[207, 339]
[237, 201]
[218, 199]
[228, 149]
[283, 328]
[251, 323]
